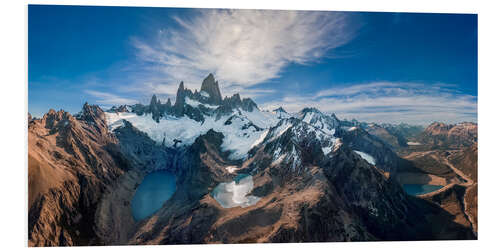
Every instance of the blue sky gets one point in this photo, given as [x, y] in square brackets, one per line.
[381, 67]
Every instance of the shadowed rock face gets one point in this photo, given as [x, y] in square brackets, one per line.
[180, 100]
[392, 137]
[396, 136]
[155, 108]
[361, 140]
[211, 87]
[146, 154]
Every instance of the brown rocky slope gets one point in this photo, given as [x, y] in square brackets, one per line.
[70, 162]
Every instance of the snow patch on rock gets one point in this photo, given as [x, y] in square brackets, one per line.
[412, 143]
[370, 159]
[205, 94]
[194, 103]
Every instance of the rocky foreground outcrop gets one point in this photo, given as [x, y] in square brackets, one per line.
[71, 160]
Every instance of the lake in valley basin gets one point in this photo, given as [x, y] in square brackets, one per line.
[235, 193]
[418, 189]
[156, 188]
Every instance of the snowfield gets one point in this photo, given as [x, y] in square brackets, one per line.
[262, 119]
[242, 130]
[239, 138]
[411, 143]
[370, 159]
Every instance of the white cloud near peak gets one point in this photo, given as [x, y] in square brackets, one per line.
[393, 102]
[244, 47]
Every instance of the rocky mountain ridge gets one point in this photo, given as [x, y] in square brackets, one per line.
[207, 101]
[312, 176]
[450, 135]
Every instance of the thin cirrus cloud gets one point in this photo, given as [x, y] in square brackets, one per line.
[109, 99]
[392, 102]
[242, 47]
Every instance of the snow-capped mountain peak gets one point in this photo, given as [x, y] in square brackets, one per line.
[314, 117]
[283, 141]
[242, 123]
[281, 113]
[195, 113]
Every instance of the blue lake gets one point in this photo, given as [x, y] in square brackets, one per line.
[156, 188]
[418, 189]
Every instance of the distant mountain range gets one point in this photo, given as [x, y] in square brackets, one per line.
[316, 178]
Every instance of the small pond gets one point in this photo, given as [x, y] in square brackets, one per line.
[418, 189]
[235, 193]
[156, 188]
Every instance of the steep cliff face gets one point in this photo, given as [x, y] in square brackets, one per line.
[386, 159]
[210, 90]
[70, 163]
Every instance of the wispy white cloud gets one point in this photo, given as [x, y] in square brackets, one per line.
[244, 48]
[415, 103]
[109, 99]
[241, 47]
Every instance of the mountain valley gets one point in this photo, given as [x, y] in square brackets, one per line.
[245, 175]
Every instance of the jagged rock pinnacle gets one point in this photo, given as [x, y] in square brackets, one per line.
[155, 108]
[179, 100]
[211, 87]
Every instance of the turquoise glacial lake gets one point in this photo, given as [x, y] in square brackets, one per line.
[418, 189]
[156, 188]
